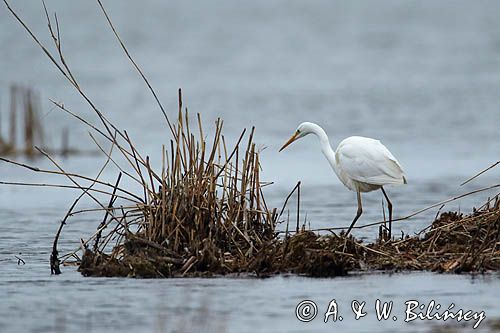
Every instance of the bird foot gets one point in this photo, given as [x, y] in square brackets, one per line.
[383, 234]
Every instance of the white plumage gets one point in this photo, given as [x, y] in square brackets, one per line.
[367, 163]
[362, 164]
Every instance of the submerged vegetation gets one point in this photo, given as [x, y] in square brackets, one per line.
[203, 212]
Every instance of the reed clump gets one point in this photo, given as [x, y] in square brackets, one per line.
[204, 213]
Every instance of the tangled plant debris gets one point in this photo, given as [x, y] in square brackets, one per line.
[453, 243]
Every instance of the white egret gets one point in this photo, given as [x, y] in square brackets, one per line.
[362, 164]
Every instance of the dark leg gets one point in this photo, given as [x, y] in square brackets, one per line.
[389, 206]
[358, 214]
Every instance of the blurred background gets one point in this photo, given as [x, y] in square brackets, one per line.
[421, 76]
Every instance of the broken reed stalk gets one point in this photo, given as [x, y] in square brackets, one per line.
[29, 124]
[13, 113]
[54, 257]
[112, 200]
[298, 207]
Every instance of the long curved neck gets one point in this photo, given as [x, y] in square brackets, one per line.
[326, 148]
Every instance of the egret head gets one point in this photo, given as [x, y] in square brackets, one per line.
[301, 131]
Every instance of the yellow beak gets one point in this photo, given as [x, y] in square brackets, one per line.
[292, 139]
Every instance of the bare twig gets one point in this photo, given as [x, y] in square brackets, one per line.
[480, 173]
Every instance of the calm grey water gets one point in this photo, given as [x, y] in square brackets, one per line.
[421, 76]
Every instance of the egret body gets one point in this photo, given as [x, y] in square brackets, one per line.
[362, 164]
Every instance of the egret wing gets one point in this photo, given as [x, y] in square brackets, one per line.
[369, 161]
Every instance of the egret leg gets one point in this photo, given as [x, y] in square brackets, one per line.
[389, 206]
[358, 213]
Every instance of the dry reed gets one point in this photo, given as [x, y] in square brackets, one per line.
[204, 212]
[26, 129]
[25, 102]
